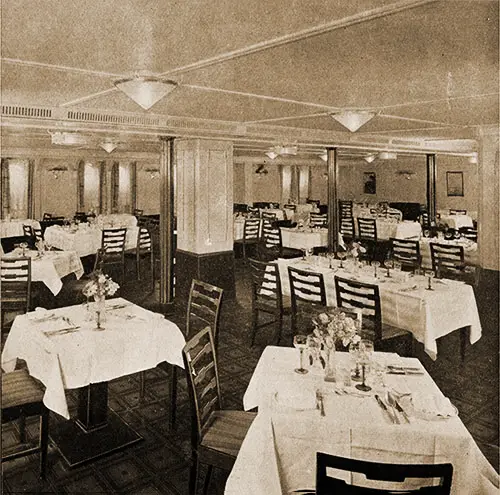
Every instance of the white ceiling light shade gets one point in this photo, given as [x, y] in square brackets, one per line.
[108, 145]
[387, 155]
[353, 119]
[324, 156]
[369, 158]
[146, 89]
[271, 154]
[473, 159]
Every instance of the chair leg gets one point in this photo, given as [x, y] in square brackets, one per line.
[279, 322]
[255, 320]
[138, 268]
[464, 334]
[193, 475]
[44, 442]
[208, 478]
[173, 396]
[142, 385]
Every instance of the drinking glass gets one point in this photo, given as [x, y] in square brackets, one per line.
[354, 358]
[397, 265]
[430, 276]
[389, 264]
[342, 256]
[375, 265]
[300, 343]
[365, 356]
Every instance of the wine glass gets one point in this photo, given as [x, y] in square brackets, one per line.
[375, 265]
[365, 356]
[342, 256]
[300, 343]
[430, 276]
[23, 246]
[354, 357]
[389, 264]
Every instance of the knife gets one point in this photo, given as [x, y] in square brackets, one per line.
[401, 410]
[381, 403]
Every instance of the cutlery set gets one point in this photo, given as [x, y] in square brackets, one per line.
[391, 408]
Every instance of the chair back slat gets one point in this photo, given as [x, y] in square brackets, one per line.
[382, 472]
[251, 229]
[318, 220]
[407, 251]
[457, 212]
[469, 233]
[268, 214]
[15, 283]
[144, 242]
[266, 282]
[345, 209]
[203, 307]
[347, 227]
[367, 229]
[357, 296]
[447, 257]
[200, 363]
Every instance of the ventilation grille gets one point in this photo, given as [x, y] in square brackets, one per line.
[112, 119]
[17, 111]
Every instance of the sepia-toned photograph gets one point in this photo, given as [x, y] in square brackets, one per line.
[249, 247]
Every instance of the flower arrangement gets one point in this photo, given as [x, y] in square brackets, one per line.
[333, 327]
[100, 285]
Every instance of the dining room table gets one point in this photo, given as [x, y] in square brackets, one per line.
[456, 221]
[471, 254]
[84, 238]
[64, 349]
[50, 267]
[304, 238]
[403, 418]
[406, 301]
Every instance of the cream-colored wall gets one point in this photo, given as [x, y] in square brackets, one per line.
[148, 188]
[239, 183]
[266, 187]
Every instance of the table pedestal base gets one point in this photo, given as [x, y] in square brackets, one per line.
[78, 447]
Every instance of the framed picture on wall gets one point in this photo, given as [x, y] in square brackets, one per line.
[369, 183]
[455, 183]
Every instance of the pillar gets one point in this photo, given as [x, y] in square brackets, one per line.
[333, 204]
[204, 183]
[431, 187]
[489, 207]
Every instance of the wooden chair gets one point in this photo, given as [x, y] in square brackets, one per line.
[347, 228]
[15, 286]
[424, 220]
[47, 216]
[307, 292]
[354, 296]
[216, 434]
[318, 220]
[203, 309]
[345, 209]
[112, 251]
[367, 233]
[447, 259]
[269, 215]
[33, 234]
[379, 471]
[270, 246]
[138, 212]
[143, 251]
[22, 397]
[80, 216]
[267, 297]
[457, 212]
[469, 233]
[251, 234]
[406, 251]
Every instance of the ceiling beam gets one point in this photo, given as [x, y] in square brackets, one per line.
[303, 34]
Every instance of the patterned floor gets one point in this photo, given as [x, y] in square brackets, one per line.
[160, 464]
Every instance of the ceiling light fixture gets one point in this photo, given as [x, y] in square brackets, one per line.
[278, 150]
[56, 171]
[261, 170]
[353, 119]
[387, 155]
[108, 145]
[145, 88]
[369, 158]
[324, 156]
[473, 159]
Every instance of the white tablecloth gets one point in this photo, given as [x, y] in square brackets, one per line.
[279, 451]
[14, 228]
[470, 250]
[301, 212]
[280, 215]
[115, 220]
[304, 239]
[85, 240]
[50, 267]
[387, 228]
[457, 221]
[406, 304]
[134, 339]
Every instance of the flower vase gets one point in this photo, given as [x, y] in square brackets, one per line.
[330, 364]
[100, 302]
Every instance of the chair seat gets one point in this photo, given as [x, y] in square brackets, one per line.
[225, 434]
[19, 388]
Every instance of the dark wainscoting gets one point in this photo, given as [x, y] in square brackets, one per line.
[214, 268]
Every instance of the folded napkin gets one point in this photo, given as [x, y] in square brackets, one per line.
[298, 400]
[433, 406]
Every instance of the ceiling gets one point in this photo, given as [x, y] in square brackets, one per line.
[259, 73]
